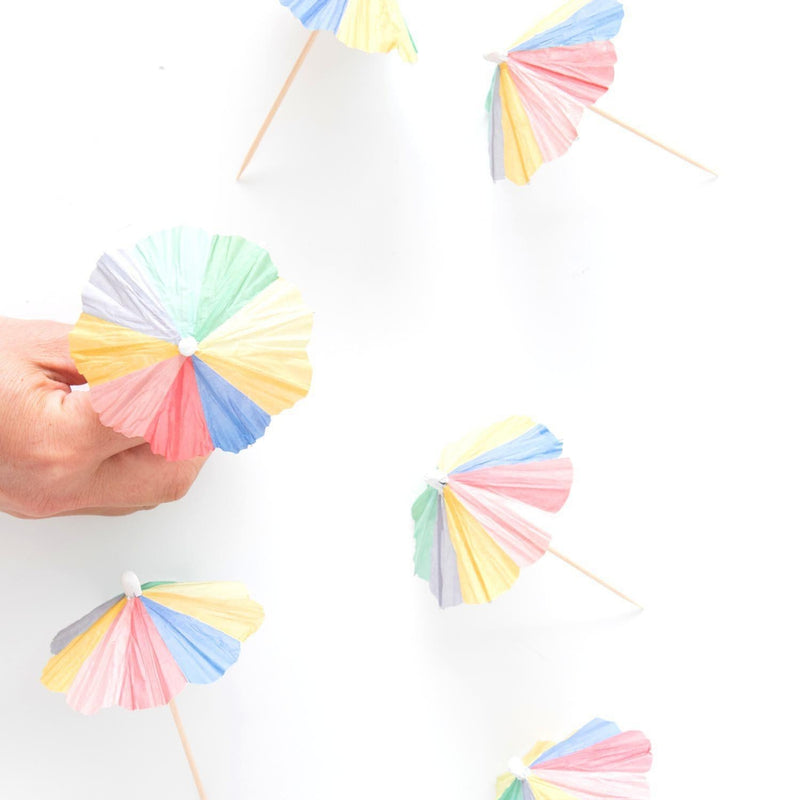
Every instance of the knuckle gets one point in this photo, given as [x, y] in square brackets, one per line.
[178, 486]
[50, 470]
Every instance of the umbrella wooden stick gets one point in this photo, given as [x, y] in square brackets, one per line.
[187, 749]
[650, 139]
[593, 576]
[277, 104]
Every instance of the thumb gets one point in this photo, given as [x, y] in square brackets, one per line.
[52, 355]
[83, 422]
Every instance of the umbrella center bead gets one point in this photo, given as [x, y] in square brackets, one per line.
[187, 346]
[131, 584]
[496, 57]
[436, 480]
[518, 769]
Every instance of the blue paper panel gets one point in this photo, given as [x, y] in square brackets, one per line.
[234, 421]
[203, 653]
[319, 15]
[597, 21]
[598, 730]
[536, 444]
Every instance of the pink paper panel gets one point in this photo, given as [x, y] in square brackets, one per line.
[542, 484]
[128, 404]
[520, 539]
[131, 667]
[178, 430]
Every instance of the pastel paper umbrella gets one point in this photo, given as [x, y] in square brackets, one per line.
[598, 762]
[140, 648]
[543, 83]
[191, 342]
[374, 26]
[472, 525]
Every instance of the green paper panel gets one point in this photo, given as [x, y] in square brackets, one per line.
[236, 272]
[516, 791]
[175, 261]
[424, 513]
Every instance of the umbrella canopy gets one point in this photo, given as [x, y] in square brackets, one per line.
[543, 83]
[470, 531]
[140, 648]
[375, 26]
[598, 762]
[192, 342]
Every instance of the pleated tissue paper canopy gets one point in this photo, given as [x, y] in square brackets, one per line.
[140, 648]
[598, 762]
[191, 341]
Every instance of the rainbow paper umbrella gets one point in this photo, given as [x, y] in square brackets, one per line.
[598, 762]
[139, 649]
[191, 342]
[543, 83]
[374, 26]
[472, 526]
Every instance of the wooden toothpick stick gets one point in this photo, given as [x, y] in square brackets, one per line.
[593, 577]
[278, 100]
[188, 750]
[650, 139]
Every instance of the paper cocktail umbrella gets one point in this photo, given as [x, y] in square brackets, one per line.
[374, 26]
[139, 649]
[543, 83]
[599, 762]
[191, 342]
[471, 525]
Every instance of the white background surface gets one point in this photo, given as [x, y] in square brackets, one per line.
[645, 313]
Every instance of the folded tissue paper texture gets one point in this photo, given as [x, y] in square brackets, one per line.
[192, 342]
[141, 648]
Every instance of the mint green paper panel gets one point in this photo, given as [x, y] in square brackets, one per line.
[237, 271]
[424, 513]
[516, 791]
[175, 261]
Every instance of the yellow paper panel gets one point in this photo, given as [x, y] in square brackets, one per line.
[261, 350]
[104, 351]
[522, 154]
[480, 441]
[61, 669]
[484, 570]
[538, 749]
[546, 791]
[376, 26]
[225, 606]
[277, 384]
[556, 18]
[503, 782]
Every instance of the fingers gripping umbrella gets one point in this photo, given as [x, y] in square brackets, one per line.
[192, 342]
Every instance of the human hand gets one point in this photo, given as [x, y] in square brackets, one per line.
[56, 457]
